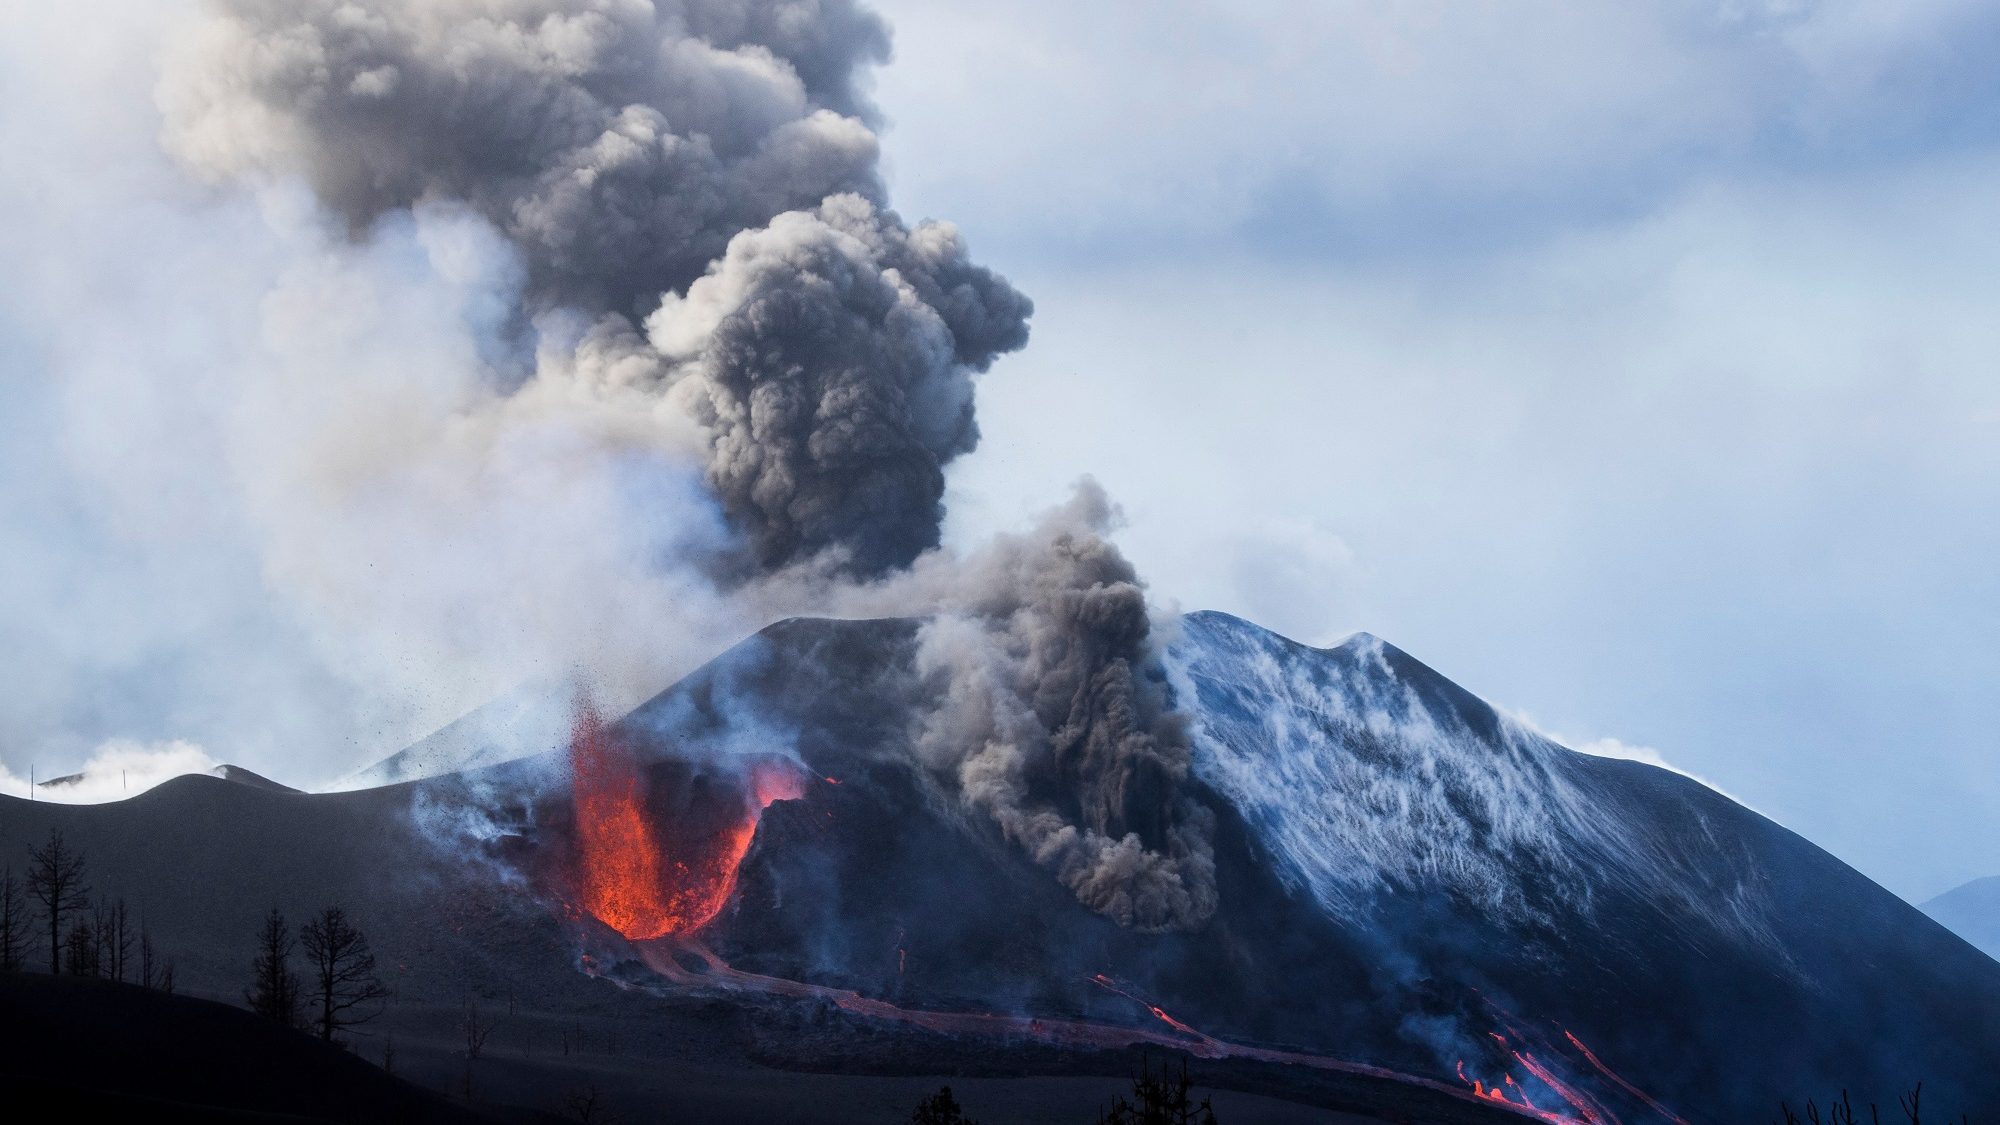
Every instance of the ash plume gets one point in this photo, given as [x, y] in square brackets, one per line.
[834, 349]
[1052, 715]
[618, 143]
[714, 154]
[578, 338]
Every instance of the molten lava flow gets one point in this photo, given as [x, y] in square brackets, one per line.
[624, 876]
[713, 973]
[1635, 1091]
[1106, 983]
[1544, 1067]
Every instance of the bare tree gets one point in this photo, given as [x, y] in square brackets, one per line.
[586, 1104]
[1163, 1099]
[149, 975]
[940, 1108]
[1842, 1111]
[274, 987]
[341, 972]
[80, 950]
[13, 922]
[101, 927]
[117, 938]
[476, 1029]
[55, 878]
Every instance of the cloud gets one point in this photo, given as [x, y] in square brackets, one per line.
[1626, 751]
[1404, 130]
[114, 771]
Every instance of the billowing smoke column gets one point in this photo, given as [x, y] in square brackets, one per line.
[705, 152]
[707, 269]
[834, 347]
[1052, 723]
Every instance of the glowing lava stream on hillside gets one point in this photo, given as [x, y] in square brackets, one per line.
[665, 957]
[657, 880]
[638, 876]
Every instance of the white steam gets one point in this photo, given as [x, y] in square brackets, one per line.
[116, 770]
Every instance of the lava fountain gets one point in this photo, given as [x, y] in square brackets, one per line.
[654, 860]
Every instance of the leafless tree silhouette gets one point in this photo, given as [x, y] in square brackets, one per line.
[340, 973]
[112, 926]
[55, 879]
[1842, 1112]
[13, 922]
[586, 1105]
[1163, 1099]
[274, 987]
[476, 1028]
[149, 974]
[80, 950]
[940, 1108]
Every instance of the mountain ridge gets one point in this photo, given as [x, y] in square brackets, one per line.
[1405, 873]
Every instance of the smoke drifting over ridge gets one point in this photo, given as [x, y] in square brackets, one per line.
[597, 335]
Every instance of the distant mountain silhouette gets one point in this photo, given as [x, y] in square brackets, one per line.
[1971, 911]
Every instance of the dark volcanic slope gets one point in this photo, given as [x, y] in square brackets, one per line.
[1405, 874]
[1718, 958]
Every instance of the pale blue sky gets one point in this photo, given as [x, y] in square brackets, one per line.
[1634, 364]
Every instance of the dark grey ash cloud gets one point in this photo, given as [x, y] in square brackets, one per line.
[619, 144]
[1050, 710]
[835, 349]
[714, 155]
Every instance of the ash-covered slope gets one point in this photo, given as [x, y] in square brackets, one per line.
[1405, 873]
[1716, 955]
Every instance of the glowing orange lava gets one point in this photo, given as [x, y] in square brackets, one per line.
[624, 875]
[1106, 983]
[1635, 1091]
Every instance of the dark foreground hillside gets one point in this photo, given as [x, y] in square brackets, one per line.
[96, 1050]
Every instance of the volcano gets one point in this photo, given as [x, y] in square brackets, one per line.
[1428, 911]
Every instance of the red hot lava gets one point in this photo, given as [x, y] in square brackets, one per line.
[641, 871]
[656, 860]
